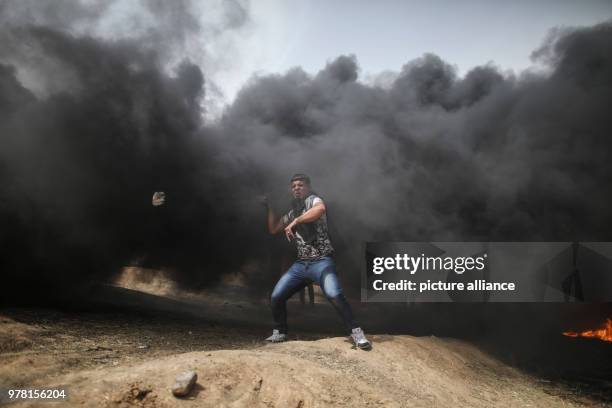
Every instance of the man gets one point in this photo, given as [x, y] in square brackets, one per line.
[306, 225]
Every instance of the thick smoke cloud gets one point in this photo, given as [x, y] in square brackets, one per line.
[487, 156]
[80, 162]
[206, 33]
[435, 156]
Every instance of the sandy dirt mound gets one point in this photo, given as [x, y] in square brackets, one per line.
[399, 371]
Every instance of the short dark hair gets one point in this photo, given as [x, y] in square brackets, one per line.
[301, 177]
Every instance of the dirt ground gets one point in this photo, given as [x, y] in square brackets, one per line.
[131, 340]
[126, 359]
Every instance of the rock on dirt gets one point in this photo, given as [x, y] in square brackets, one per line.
[400, 371]
[184, 383]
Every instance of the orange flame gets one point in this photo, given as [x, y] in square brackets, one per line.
[605, 333]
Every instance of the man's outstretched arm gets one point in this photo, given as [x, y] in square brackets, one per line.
[275, 224]
[311, 215]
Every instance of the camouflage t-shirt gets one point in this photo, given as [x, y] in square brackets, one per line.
[312, 239]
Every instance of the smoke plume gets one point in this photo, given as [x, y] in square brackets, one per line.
[91, 124]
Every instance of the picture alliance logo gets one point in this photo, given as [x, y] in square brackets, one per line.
[413, 264]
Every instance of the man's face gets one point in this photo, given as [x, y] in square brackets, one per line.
[300, 189]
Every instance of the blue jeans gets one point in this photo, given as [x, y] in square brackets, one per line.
[322, 272]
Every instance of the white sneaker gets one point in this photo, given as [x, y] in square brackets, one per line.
[360, 339]
[277, 337]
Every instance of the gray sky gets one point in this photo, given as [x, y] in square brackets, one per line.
[386, 34]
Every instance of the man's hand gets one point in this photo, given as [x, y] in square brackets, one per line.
[289, 230]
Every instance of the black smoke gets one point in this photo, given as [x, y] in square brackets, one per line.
[80, 162]
[488, 156]
[435, 156]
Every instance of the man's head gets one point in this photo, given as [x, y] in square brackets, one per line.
[300, 186]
